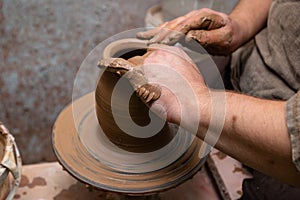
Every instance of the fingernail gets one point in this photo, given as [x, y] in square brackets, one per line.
[145, 95]
[150, 97]
[141, 91]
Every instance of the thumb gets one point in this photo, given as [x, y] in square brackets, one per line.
[209, 22]
[167, 106]
[217, 39]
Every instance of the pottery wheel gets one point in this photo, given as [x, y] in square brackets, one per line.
[87, 154]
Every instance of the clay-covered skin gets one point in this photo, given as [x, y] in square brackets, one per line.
[131, 68]
[170, 32]
[213, 30]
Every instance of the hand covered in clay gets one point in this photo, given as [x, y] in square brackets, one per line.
[215, 31]
[165, 78]
[180, 81]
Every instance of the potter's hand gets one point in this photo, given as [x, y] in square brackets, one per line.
[180, 82]
[215, 31]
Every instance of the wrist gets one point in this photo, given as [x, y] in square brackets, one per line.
[199, 123]
[249, 17]
[213, 115]
[240, 33]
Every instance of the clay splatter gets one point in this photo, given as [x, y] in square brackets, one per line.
[87, 192]
[240, 169]
[37, 181]
[24, 181]
[220, 155]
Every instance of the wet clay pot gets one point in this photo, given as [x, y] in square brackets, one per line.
[107, 111]
[102, 154]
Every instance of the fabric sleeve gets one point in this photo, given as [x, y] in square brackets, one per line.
[293, 125]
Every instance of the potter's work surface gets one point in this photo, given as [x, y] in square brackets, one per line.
[87, 154]
[47, 181]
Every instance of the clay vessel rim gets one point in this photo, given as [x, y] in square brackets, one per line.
[127, 43]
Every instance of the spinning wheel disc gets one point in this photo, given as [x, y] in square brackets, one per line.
[87, 154]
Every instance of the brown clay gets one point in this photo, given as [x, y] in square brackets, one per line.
[138, 111]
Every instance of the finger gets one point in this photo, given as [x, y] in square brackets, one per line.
[199, 35]
[150, 97]
[161, 35]
[219, 37]
[170, 32]
[185, 24]
[145, 94]
[172, 38]
[167, 37]
[105, 62]
[213, 40]
[116, 63]
[209, 22]
[141, 91]
[150, 33]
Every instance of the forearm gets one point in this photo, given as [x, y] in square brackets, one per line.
[252, 130]
[249, 16]
[255, 133]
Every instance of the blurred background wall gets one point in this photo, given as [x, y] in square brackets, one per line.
[42, 44]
